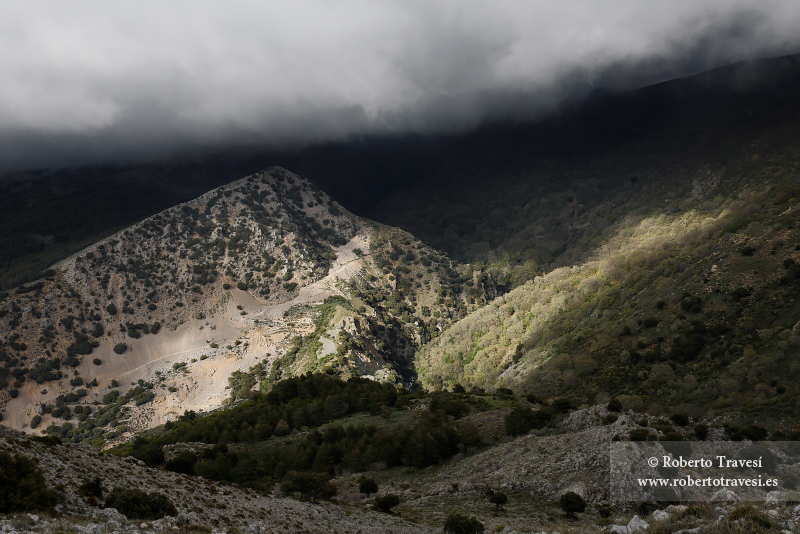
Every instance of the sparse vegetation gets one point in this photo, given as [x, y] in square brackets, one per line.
[136, 504]
[22, 485]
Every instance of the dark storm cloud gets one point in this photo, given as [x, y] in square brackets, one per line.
[100, 81]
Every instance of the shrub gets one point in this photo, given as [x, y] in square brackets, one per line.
[563, 405]
[97, 330]
[572, 503]
[701, 431]
[751, 432]
[691, 304]
[136, 504]
[111, 309]
[150, 453]
[97, 361]
[739, 293]
[308, 484]
[461, 524]
[241, 285]
[498, 499]
[385, 503]
[367, 486]
[610, 419]
[92, 487]
[603, 511]
[641, 434]
[119, 348]
[650, 322]
[680, 419]
[522, 419]
[184, 463]
[614, 406]
[22, 485]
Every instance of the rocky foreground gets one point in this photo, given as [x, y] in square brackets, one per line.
[202, 505]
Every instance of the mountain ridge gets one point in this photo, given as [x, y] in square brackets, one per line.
[202, 299]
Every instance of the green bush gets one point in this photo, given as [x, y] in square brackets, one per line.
[367, 486]
[461, 524]
[111, 309]
[603, 511]
[309, 485]
[641, 434]
[701, 431]
[572, 503]
[562, 405]
[522, 419]
[614, 406]
[92, 487]
[385, 503]
[680, 419]
[184, 463]
[136, 504]
[22, 485]
[119, 348]
[498, 499]
[150, 453]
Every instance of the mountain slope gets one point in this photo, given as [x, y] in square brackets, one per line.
[201, 504]
[263, 278]
[686, 298]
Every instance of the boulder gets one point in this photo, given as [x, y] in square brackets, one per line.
[774, 498]
[111, 514]
[660, 515]
[674, 509]
[637, 524]
[725, 495]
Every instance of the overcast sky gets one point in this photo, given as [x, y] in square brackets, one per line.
[82, 82]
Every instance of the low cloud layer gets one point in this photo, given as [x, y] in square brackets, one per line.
[86, 82]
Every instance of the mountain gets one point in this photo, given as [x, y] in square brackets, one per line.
[627, 270]
[191, 308]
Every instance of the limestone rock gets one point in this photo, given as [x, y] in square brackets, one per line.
[637, 524]
[725, 495]
[660, 515]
